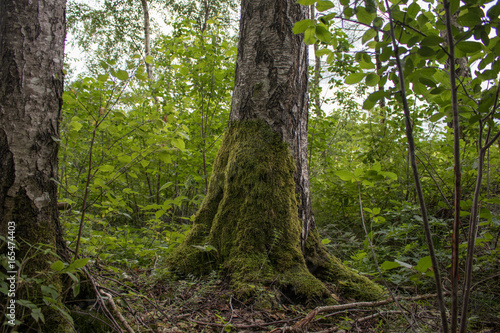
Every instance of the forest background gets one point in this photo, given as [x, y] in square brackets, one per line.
[143, 121]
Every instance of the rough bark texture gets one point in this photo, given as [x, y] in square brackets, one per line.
[271, 82]
[31, 85]
[256, 217]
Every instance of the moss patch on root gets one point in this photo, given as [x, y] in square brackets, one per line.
[329, 268]
[250, 216]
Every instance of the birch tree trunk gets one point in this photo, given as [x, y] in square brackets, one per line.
[271, 83]
[32, 37]
[256, 221]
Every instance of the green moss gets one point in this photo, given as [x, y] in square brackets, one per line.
[36, 233]
[329, 268]
[250, 215]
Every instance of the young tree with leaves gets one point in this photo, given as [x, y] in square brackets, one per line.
[414, 52]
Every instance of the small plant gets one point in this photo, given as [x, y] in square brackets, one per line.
[46, 285]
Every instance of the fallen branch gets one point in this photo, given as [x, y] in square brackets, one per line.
[310, 316]
[378, 314]
[239, 326]
[117, 312]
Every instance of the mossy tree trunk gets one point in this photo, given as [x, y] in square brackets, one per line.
[32, 37]
[256, 221]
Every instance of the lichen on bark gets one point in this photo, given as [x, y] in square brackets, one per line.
[250, 216]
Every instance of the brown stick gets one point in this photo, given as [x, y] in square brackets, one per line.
[117, 312]
[310, 316]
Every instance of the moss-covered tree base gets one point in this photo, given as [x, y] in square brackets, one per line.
[250, 218]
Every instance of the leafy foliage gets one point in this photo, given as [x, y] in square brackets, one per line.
[142, 149]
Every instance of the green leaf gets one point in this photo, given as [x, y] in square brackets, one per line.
[324, 5]
[485, 213]
[348, 12]
[102, 77]
[372, 79]
[179, 144]
[424, 264]
[78, 263]
[325, 241]
[431, 40]
[426, 52]
[436, 116]
[37, 315]
[390, 175]
[104, 65]
[166, 185]
[50, 290]
[75, 124]
[323, 34]
[165, 157]
[307, 2]
[428, 82]
[345, 175]
[27, 304]
[358, 172]
[454, 5]
[364, 16]
[57, 266]
[76, 289]
[469, 47]
[73, 277]
[124, 159]
[413, 10]
[387, 265]
[354, 78]
[470, 19]
[121, 75]
[368, 35]
[369, 104]
[494, 12]
[149, 59]
[106, 168]
[378, 22]
[301, 26]
[309, 36]
[322, 52]
[210, 248]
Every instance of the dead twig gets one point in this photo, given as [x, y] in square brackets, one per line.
[331, 308]
[117, 312]
[378, 314]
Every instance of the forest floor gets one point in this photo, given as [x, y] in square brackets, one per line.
[149, 304]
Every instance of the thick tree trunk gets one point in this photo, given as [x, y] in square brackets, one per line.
[271, 83]
[31, 85]
[256, 217]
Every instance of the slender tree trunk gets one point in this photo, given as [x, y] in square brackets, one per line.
[147, 37]
[31, 85]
